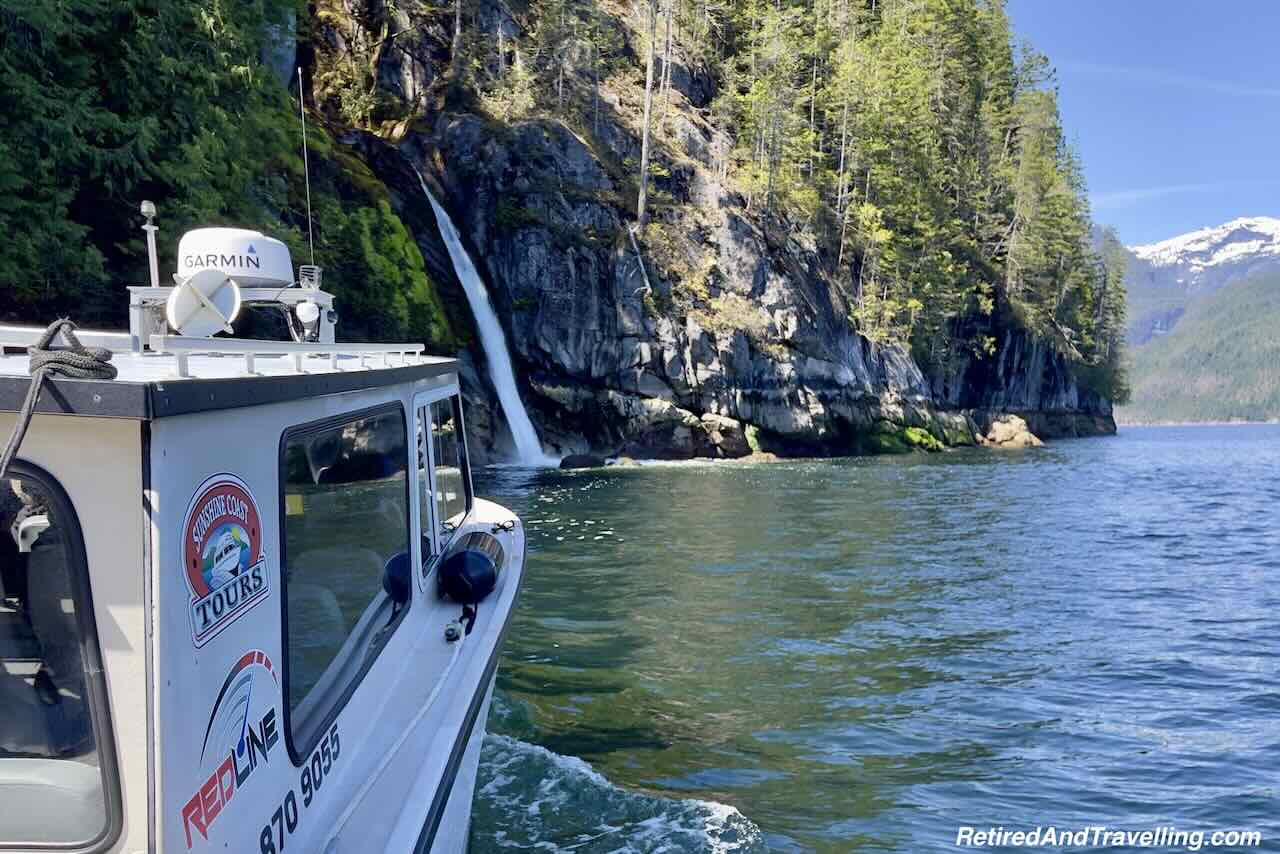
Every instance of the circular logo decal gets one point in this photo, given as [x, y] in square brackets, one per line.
[222, 554]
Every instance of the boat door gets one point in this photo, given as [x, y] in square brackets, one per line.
[444, 479]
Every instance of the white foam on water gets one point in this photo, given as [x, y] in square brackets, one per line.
[531, 798]
[492, 339]
[696, 462]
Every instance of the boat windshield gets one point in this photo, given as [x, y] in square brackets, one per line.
[52, 783]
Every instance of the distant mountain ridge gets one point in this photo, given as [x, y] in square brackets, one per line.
[1165, 276]
[1212, 254]
[1218, 365]
[1204, 312]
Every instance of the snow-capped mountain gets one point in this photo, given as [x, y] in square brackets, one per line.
[1164, 276]
[1211, 257]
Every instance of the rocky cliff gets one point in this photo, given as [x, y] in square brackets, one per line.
[715, 331]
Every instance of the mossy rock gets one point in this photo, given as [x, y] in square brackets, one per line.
[918, 437]
[955, 436]
[903, 440]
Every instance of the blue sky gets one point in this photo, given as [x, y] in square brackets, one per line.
[1173, 106]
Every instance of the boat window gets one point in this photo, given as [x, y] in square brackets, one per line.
[58, 785]
[346, 518]
[453, 481]
[424, 488]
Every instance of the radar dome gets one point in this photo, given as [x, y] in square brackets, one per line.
[249, 257]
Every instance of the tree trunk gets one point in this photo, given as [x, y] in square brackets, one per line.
[560, 67]
[666, 67]
[648, 109]
[595, 91]
[844, 145]
[455, 56]
[772, 158]
[813, 89]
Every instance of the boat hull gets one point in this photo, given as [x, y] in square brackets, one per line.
[389, 764]
[455, 826]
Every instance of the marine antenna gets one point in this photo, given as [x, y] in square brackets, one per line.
[306, 167]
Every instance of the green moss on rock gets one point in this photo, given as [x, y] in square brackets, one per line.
[956, 436]
[918, 437]
[887, 438]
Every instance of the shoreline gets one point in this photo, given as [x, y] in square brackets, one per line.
[1234, 423]
[767, 457]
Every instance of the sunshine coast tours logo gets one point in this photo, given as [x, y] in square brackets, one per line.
[222, 555]
[243, 731]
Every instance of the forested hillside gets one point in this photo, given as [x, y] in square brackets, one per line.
[1219, 364]
[901, 156]
[108, 102]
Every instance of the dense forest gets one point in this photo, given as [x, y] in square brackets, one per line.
[912, 142]
[109, 102]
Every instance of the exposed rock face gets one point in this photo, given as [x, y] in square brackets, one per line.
[722, 336]
[1027, 378]
[615, 366]
[1010, 431]
[612, 365]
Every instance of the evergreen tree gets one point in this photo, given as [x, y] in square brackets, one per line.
[914, 142]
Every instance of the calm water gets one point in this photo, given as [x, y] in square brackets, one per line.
[860, 655]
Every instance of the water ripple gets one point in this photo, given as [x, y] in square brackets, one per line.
[860, 655]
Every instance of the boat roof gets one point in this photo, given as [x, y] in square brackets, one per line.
[180, 376]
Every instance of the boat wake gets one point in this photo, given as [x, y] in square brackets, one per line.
[529, 798]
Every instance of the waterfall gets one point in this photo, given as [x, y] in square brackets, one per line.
[528, 448]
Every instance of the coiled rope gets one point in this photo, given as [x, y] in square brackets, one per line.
[74, 361]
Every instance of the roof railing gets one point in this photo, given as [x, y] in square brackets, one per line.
[182, 348]
[27, 336]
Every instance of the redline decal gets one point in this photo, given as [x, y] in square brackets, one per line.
[223, 557]
[240, 736]
[231, 683]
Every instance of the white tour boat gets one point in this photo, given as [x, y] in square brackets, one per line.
[248, 601]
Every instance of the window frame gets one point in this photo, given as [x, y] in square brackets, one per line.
[426, 563]
[300, 753]
[95, 677]
[426, 401]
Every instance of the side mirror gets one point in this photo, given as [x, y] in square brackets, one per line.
[397, 577]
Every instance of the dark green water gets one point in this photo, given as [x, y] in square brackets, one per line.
[861, 655]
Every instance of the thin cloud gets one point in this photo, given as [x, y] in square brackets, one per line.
[1128, 198]
[1161, 77]
[1118, 199]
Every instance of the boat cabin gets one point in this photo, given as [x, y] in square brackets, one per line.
[249, 600]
